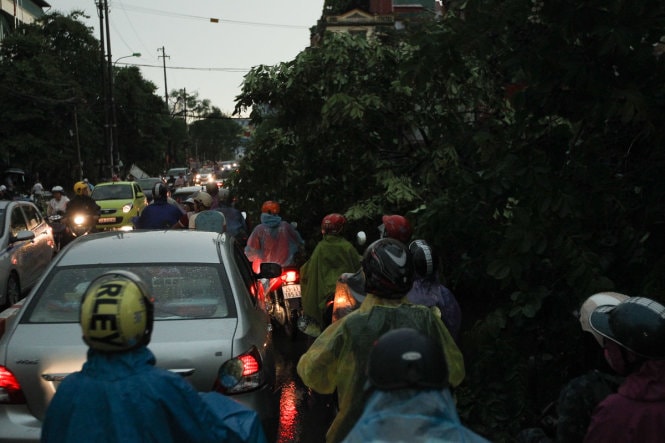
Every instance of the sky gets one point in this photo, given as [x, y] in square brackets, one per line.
[202, 56]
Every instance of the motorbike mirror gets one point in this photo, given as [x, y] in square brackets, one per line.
[270, 270]
[361, 238]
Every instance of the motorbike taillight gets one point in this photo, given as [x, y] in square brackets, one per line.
[290, 276]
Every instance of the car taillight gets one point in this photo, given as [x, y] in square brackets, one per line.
[290, 277]
[241, 374]
[10, 389]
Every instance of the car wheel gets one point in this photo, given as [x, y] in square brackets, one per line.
[13, 290]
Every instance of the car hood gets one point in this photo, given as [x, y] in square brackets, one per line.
[41, 355]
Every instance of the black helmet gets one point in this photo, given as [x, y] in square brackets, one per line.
[159, 191]
[212, 189]
[424, 259]
[405, 358]
[637, 324]
[388, 268]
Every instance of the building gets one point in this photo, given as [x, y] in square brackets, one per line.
[14, 13]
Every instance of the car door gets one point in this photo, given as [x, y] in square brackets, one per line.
[42, 244]
[22, 252]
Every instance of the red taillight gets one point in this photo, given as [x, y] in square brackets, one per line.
[290, 277]
[10, 388]
[241, 374]
[250, 365]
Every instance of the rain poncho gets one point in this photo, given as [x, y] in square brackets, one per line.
[123, 397]
[411, 416]
[338, 357]
[332, 257]
[636, 413]
[274, 241]
[429, 292]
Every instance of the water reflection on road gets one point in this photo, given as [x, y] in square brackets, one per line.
[303, 417]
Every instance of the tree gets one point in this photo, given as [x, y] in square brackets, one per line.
[215, 136]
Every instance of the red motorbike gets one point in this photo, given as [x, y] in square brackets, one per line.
[284, 300]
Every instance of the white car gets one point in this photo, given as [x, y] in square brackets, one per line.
[209, 314]
[26, 249]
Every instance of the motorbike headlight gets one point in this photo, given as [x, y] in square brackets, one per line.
[79, 219]
[127, 208]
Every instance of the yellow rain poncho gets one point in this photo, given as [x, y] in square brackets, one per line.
[338, 357]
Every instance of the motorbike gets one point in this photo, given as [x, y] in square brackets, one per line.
[284, 300]
[80, 224]
[59, 228]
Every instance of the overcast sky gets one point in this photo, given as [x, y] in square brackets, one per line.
[204, 57]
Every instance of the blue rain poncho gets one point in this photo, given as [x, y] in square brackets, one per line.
[338, 357]
[411, 416]
[274, 241]
[123, 397]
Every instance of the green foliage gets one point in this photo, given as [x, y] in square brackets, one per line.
[522, 138]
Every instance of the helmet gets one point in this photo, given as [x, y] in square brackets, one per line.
[406, 358]
[396, 226]
[270, 207]
[204, 199]
[211, 188]
[637, 324]
[80, 187]
[159, 191]
[591, 303]
[424, 259]
[333, 224]
[57, 189]
[116, 312]
[388, 268]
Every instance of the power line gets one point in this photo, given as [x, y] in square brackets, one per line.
[186, 67]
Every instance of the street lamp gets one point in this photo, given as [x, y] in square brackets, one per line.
[134, 54]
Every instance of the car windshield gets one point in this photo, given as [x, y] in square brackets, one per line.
[176, 172]
[179, 291]
[112, 192]
[147, 183]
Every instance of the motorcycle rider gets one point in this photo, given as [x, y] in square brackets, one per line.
[634, 345]
[236, 225]
[273, 240]
[427, 290]
[338, 357]
[159, 214]
[333, 256]
[408, 389]
[57, 204]
[119, 394]
[205, 219]
[83, 203]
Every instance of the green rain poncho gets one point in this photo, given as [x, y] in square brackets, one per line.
[338, 357]
[332, 257]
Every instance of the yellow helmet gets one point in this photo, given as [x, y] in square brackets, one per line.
[116, 312]
[79, 187]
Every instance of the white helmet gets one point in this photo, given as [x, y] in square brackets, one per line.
[57, 189]
[591, 303]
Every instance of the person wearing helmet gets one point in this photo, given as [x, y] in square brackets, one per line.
[205, 219]
[83, 203]
[337, 359]
[396, 226]
[273, 240]
[58, 203]
[333, 256]
[236, 225]
[159, 214]
[119, 394]
[633, 334]
[427, 290]
[407, 385]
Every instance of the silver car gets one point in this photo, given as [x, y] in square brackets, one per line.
[209, 313]
[26, 249]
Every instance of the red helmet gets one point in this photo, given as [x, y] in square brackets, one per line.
[270, 207]
[333, 224]
[397, 227]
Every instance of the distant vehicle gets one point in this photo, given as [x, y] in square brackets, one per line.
[16, 181]
[175, 172]
[147, 184]
[204, 176]
[210, 322]
[26, 249]
[120, 202]
[182, 194]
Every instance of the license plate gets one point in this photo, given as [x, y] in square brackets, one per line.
[106, 220]
[291, 291]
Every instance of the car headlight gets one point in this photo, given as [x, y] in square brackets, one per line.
[128, 207]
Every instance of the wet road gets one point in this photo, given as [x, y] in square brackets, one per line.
[304, 417]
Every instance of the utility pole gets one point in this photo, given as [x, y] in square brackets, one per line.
[115, 155]
[108, 143]
[166, 89]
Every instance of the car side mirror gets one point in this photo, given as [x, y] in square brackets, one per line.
[22, 236]
[270, 270]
